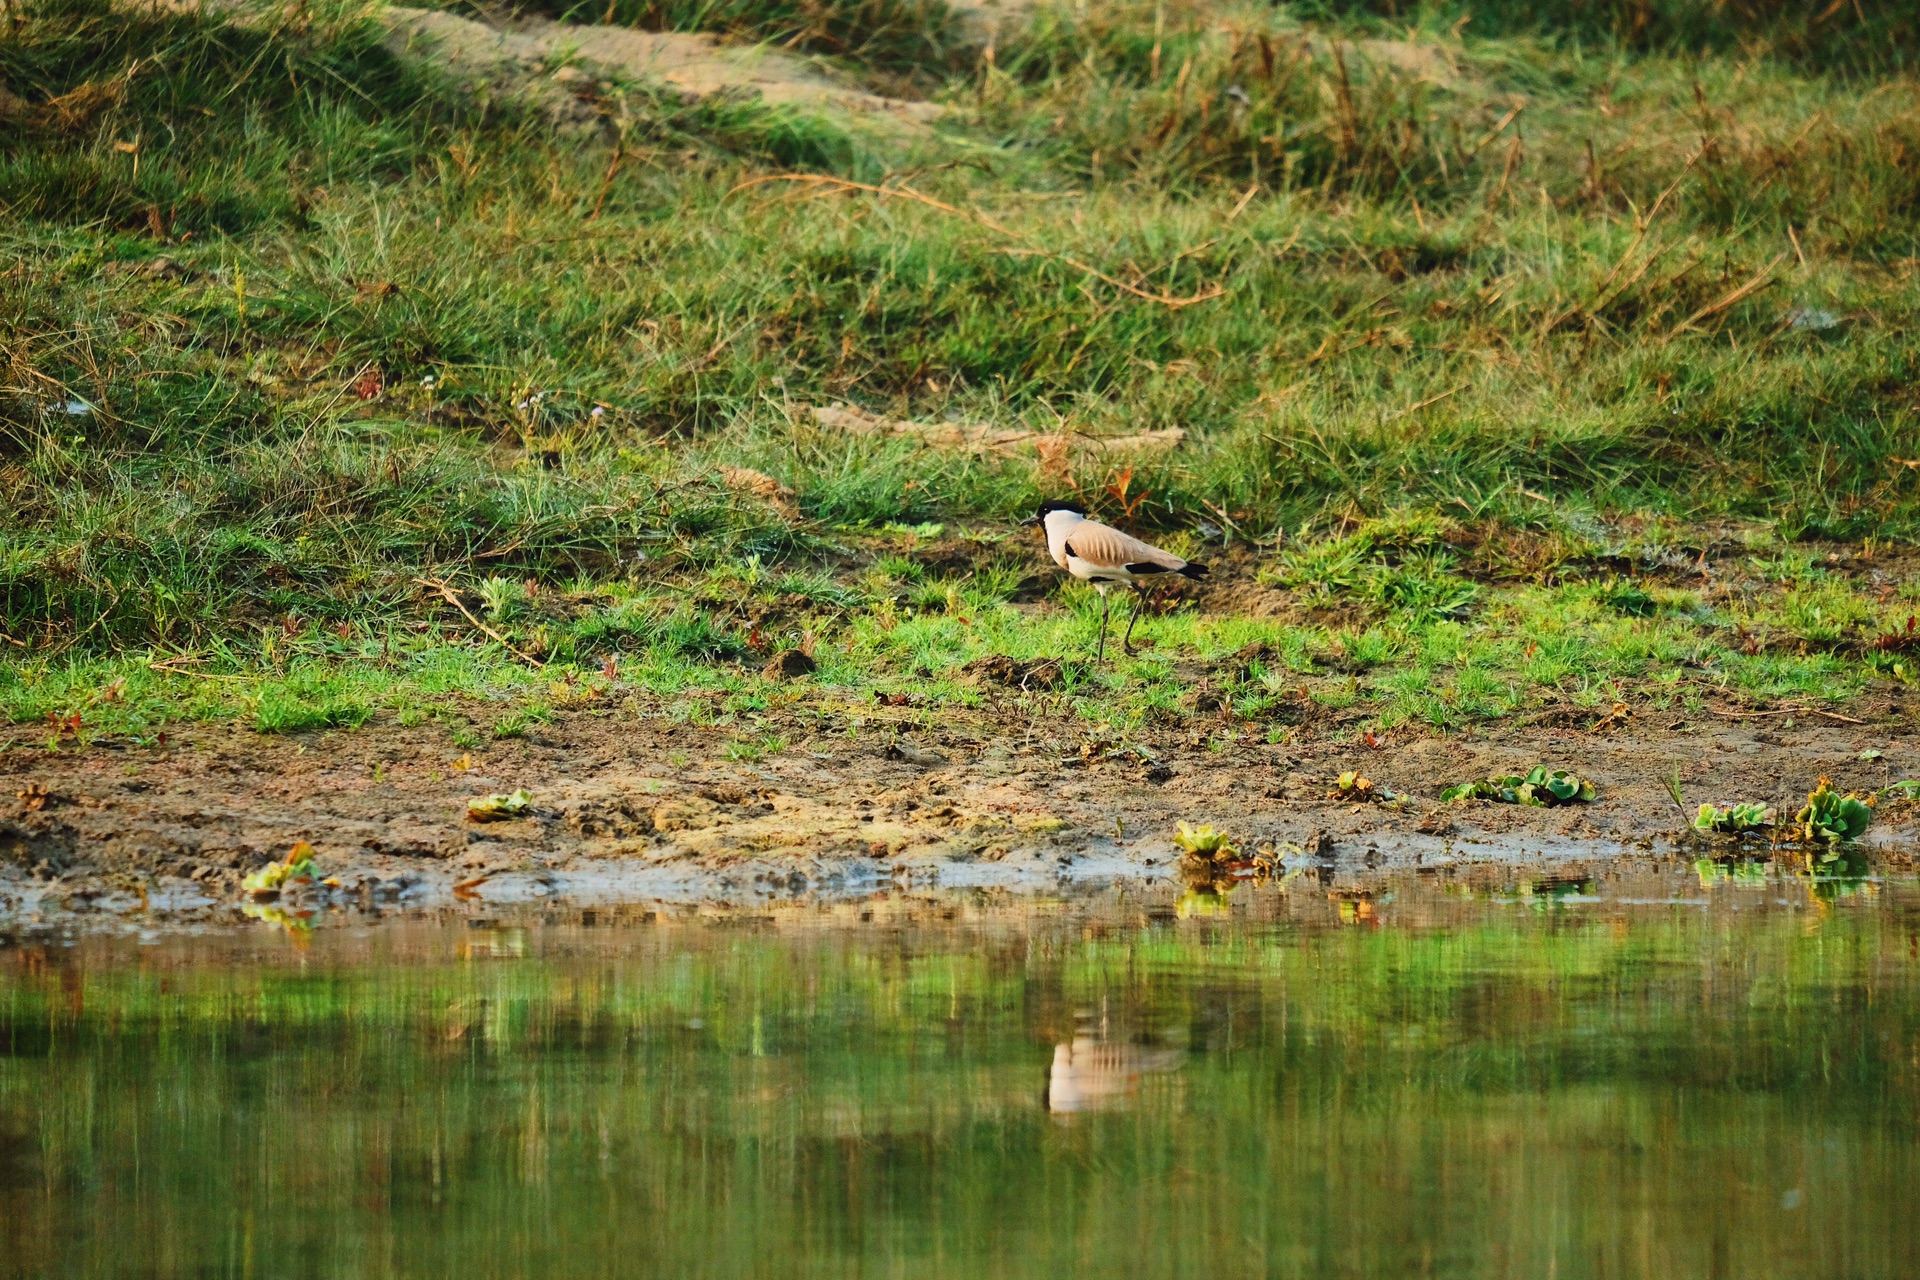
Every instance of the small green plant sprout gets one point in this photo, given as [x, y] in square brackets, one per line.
[1906, 789]
[499, 807]
[1734, 820]
[1539, 787]
[1831, 818]
[501, 597]
[1206, 843]
[296, 868]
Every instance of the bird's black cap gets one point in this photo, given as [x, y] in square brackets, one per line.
[1052, 505]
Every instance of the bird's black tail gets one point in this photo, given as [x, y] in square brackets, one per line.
[1192, 570]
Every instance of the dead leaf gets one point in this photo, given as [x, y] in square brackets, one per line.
[760, 485]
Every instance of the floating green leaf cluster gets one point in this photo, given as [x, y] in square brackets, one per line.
[296, 866]
[1830, 817]
[1538, 787]
[1735, 820]
[1205, 842]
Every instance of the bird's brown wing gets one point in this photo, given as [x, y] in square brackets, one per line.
[1107, 547]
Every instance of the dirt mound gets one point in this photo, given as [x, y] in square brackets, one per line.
[557, 61]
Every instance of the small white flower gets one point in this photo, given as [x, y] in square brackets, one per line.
[598, 412]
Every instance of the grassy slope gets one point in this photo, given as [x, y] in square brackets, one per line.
[1470, 371]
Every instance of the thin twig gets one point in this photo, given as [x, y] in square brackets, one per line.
[452, 597]
[606, 182]
[1753, 286]
[1415, 408]
[980, 219]
[1494, 132]
[1642, 225]
[1246, 198]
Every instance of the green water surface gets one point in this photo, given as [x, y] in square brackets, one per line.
[1648, 1076]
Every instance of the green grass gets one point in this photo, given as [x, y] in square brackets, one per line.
[1470, 373]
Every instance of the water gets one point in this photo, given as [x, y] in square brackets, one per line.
[1636, 1077]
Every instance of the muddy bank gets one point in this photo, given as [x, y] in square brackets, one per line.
[628, 806]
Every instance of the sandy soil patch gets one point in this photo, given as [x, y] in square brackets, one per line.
[560, 61]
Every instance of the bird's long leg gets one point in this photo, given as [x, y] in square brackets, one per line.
[1139, 602]
[1101, 655]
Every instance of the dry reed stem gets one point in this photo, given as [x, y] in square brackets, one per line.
[1760, 281]
[1642, 226]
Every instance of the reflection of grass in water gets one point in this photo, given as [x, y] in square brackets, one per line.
[889, 1082]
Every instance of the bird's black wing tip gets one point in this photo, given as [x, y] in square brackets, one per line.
[1191, 570]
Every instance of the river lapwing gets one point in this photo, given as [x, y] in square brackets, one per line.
[1104, 556]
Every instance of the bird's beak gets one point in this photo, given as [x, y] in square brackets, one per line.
[1031, 522]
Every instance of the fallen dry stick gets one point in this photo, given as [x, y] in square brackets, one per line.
[980, 438]
[1753, 286]
[452, 597]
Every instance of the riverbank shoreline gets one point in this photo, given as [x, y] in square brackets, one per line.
[627, 807]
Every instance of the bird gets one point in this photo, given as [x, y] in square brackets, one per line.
[1105, 557]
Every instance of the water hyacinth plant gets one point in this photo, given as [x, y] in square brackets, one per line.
[1830, 818]
[1539, 787]
[1205, 842]
[1734, 820]
[296, 868]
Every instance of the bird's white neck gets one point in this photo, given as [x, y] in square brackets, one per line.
[1059, 524]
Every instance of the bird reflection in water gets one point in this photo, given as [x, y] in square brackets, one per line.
[1093, 1073]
